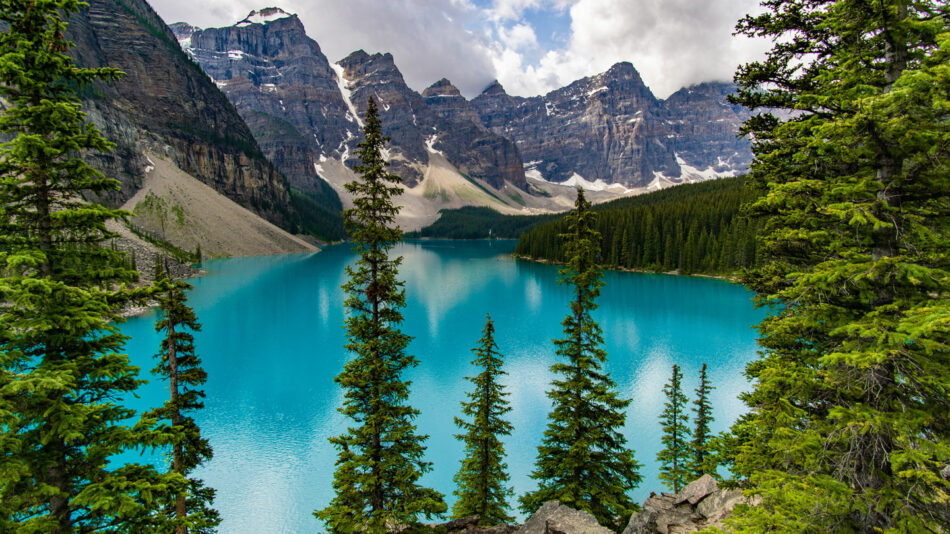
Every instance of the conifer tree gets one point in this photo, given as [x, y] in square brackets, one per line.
[191, 510]
[61, 361]
[583, 460]
[380, 457]
[848, 429]
[481, 480]
[674, 457]
[702, 462]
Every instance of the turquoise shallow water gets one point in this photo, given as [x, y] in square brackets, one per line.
[272, 342]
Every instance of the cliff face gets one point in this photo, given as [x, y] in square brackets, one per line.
[304, 110]
[603, 127]
[610, 127]
[167, 105]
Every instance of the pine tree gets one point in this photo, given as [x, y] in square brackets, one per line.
[482, 478]
[848, 428]
[381, 456]
[583, 460]
[61, 361]
[674, 457]
[702, 463]
[191, 510]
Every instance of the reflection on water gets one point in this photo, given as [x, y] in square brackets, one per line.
[272, 343]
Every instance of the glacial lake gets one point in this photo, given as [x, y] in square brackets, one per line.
[272, 341]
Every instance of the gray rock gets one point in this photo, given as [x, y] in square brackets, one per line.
[555, 518]
[696, 490]
[719, 504]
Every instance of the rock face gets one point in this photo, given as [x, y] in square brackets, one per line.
[610, 127]
[699, 505]
[304, 110]
[167, 105]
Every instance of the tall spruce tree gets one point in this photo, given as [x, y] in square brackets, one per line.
[191, 510]
[848, 428]
[481, 480]
[380, 457]
[61, 361]
[702, 461]
[674, 457]
[583, 460]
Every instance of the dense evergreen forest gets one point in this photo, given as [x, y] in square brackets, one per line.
[477, 222]
[695, 228]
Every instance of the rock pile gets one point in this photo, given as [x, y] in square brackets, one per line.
[700, 505]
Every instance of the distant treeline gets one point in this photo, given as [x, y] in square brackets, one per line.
[694, 228]
[480, 223]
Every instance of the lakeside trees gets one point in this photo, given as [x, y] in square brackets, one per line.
[61, 365]
[583, 461]
[381, 457]
[848, 429]
[702, 461]
[191, 510]
[482, 478]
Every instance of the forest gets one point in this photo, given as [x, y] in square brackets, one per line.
[691, 228]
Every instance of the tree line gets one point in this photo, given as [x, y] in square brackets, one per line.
[691, 228]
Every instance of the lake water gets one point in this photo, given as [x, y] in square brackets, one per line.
[272, 342]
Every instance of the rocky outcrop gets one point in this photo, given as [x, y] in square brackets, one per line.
[167, 105]
[700, 505]
[555, 518]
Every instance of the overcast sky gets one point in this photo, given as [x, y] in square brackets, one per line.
[530, 46]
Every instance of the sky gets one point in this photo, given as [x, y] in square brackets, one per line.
[530, 46]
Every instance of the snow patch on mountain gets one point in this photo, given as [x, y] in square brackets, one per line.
[430, 145]
[264, 16]
[352, 115]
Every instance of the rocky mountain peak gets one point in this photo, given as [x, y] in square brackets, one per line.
[264, 16]
[442, 88]
[494, 89]
[376, 68]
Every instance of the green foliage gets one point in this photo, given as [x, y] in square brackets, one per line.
[61, 365]
[583, 461]
[477, 222]
[178, 363]
[674, 457]
[318, 213]
[703, 460]
[848, 429]
[380, 457]
[481, 479]
[692, 228]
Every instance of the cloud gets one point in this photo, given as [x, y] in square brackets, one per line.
[673, 43]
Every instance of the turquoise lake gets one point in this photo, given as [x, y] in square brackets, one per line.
[272, 342]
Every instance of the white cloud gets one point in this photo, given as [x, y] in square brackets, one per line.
[672, 43]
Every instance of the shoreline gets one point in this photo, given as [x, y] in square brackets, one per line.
[730, 279]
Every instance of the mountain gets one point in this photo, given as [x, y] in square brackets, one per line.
[166, 106]
[607, 133]
[305, 111]
[610, 129]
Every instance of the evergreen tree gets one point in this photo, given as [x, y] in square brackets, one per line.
[674, 457]
[191, 510]
[583, 461]
[381, 456]
[848, 428]
[481, 480]
[61, 361]
[702, 462]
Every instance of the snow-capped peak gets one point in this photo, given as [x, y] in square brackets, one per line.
[268, 14]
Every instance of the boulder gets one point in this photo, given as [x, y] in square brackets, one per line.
[696, 490]
[555, 518]
[700, 505]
